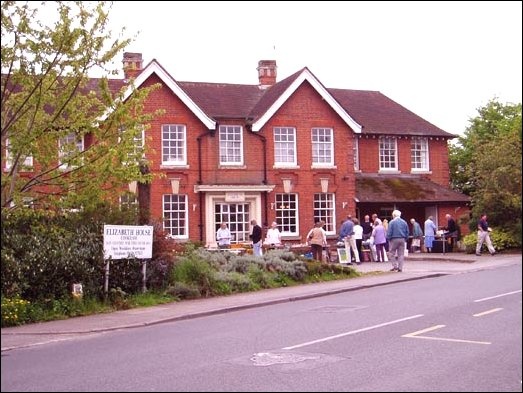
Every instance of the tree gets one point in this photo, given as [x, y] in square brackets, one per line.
[50, 107]
[486, 164]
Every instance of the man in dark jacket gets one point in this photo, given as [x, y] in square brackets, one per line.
[256, 237]
[452, 232]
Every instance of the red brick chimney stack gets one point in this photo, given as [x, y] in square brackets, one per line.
[132, 64]
[266, 73]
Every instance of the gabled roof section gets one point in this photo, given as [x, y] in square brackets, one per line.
[223, 100]
[278, 94]
[380, 115]
[155, 68]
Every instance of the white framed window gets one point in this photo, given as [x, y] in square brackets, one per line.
[128, 201]
[286, 207]
[69, 149]
[388, 153]
[175, 215]
[322, 147]
[27, 162]
[174, 144]
[356, 153]
[231, 145]
[419, 153]
[324, 210]
[285, 146]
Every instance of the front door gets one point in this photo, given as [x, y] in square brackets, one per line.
[237, 217]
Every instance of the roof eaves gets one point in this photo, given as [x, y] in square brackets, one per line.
[155, 68]
[306, 75]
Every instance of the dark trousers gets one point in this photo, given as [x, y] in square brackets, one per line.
[317, 251]
[358, 246]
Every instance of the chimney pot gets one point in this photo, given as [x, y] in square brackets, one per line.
[266, 73]
[132, 64]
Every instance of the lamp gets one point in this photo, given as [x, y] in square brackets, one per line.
[324, 185]
[132, 186]
[287, 185]
[175, 185]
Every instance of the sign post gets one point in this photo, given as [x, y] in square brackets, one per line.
[127, 241]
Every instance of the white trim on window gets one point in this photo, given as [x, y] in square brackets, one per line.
[285, 154]
[174, 144]
[322, 144]
[231, 145]
[419, 154]
[388, 154]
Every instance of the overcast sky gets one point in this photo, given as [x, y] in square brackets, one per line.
[441, 60]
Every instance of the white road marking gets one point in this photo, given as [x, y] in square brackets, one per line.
[417, 335]
[487, 312]
[494, 297]
[352, 332]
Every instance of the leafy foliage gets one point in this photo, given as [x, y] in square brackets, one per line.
[486, 164]
[70, 139]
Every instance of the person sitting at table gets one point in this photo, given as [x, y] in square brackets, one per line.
[273, 236]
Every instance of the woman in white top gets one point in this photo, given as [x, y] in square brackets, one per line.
[273, 236]
[358, 235]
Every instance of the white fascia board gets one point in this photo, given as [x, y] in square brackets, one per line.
[237, 188]
[154, 67]
[307, 76]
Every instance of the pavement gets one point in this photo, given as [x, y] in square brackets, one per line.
[416, 266]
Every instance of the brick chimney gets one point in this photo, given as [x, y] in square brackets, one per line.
[266, 73]
[132, 64]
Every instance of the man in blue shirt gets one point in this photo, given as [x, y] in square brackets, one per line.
[397, 235]
[347, 237]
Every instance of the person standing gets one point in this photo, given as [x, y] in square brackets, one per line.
[430, 233]
[256, 237]
[397, 235]
[484, 236]
[452, 231]
[273, 236]
[380, 238]
[317, 239]
[358, 236]
[417, 234]
[367, 228]
[347, 237]
[223, 236]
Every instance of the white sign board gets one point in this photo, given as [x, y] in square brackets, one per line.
[128, 241]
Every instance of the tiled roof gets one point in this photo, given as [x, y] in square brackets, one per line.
[403, 188]
[220, 100]
[377, 113]
[380, 115]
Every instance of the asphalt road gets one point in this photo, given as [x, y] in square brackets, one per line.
[460, 332]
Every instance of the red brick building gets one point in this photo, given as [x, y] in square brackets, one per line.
[290, 151]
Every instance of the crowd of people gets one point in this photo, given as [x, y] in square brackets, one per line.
[387, 241]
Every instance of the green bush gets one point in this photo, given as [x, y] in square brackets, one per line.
[183, 290]
[501, 240]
